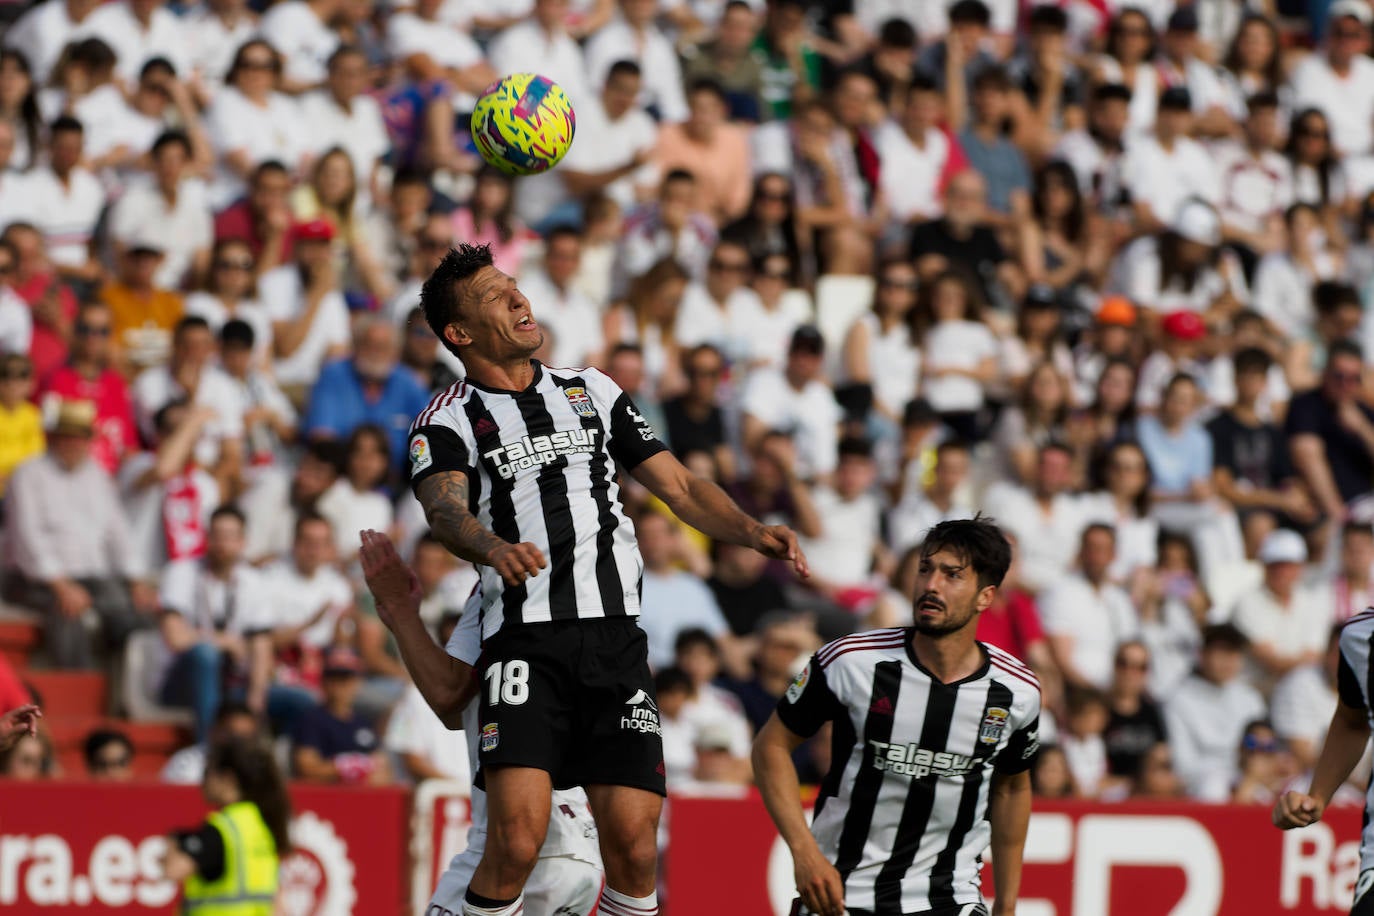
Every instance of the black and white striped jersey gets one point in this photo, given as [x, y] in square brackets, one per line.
[1355, 685]
[541, 468]
[903, 811]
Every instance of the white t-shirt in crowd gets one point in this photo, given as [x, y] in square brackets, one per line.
[212, 43]
[283, 295]
[850, 530]
[41, 34]
[1098, 619]
[250, 311]
[894, 363]
[360, 130]
[526, 48]
[1348, 102]
[1253, 188]
[571, 316]
[303, 41]
[65, 214]
[415, 729]
[154, 388]
[350, 511]
[1304, 625]
[602, 144]
[16, 323]
[1205, 722]
[1302, 704]
[144, 508]
[296, 598]
[1048, 541]
[657, 59]
[135, 45]
[910, 176]
[703, 320]
[182, 228]
[1283, 291]
[810, 415]
[1164, 179]
[447, 45]
[1136, 275]
[956, 345]
[275, 131]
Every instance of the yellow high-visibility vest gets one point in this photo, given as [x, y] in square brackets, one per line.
[249, 882]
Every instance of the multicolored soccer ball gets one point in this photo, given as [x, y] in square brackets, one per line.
[523, 124]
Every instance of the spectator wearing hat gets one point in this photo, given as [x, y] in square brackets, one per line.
[331, 743]
[143, 315]
[1165, 169]
[1339, 79]
[1114, 335]
[1182, 268]
[171, 211]
[21, 424]
[1179, 351]
[69, 542]
[310, 324]
[796, 401]
[1180, 65]
[1207, 714]
[1285, 620]
[1330, 432]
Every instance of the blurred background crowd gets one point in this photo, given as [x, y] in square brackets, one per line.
[1099, 270]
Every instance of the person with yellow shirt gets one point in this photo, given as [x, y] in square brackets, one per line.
[228, 865]
[142, 314]
[21, 423]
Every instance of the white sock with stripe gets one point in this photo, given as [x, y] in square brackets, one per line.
[475, 905]
[614, 903]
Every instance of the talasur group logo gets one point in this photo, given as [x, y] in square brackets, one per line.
[317, 876]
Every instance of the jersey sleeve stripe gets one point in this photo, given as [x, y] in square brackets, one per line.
[1019, 675]
[826, 663]
[1008, 658]
[844, 641]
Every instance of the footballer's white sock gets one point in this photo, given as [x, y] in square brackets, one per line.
[477, 905]
[614, 903]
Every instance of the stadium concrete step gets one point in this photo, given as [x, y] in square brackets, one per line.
[69, 693]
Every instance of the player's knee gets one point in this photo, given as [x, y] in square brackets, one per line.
[632, 850]
[514, 850]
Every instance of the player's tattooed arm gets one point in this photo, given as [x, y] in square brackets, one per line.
[444, 497]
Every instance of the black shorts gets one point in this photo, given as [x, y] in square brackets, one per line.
[959, 909]
[574, 698]
[1364, 902]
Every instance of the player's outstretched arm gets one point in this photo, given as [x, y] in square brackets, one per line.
[1009, 810]
[818, 882]
[1346, 739]
[444, 497]
[707, 508]
[441, 679]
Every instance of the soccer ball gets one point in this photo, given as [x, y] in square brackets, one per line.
[523, 124]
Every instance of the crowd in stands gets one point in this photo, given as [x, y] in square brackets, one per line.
[1101, 271]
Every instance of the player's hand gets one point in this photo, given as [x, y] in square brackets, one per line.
[780, 543]
[17, 723]
[391, 581]
[1294, 809]
[517, 562]
[819, 885]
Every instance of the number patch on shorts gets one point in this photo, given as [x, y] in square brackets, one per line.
[508, 682]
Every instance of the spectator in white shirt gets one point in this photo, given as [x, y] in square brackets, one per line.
[1257, 181]
[308, 593]
[310, 324]
[635, 37]
[16, 318]
[1304, 700]
[1286, 620]
[426, 747]
[1285, 278]
[45, 30]
[172, 210]
[699, 656]
[250, 122]
[1340, 79]
[1085, 616]
[301, 32]
[342, 114]
[916, 155]
[230, 294]
[673, 227]
[561, 308]
[233, 721]
[959, 353]
[138, 31]
[69, 202]
[944, 498]
[1180, 65]
[849, 553]
[1183, 269]
[1095, 151]
[541, 44]
[723, 311]
[1165, 169]
[797, 402]
[1047, 519]
[1207, 715]
[214, 33]
[433, 49]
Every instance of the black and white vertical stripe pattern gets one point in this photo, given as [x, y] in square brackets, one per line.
[907, 842]
[1355, 684]
[566, 503]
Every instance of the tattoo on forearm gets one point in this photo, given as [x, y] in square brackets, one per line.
[445, 500]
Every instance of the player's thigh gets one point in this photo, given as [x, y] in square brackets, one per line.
[525, 703]
[625, 816]
[560, 886]
[453, 885]
[620, 737]
[518, 807]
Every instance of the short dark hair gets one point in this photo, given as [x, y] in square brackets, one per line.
[1251, 359]
[1048, 16]
[855, 447]
[624, 347]
[678, 175]
[992, 77]
[970, 12]
[624, 68]
[102, 738]
[711, 85]
[231, 708]
[343, 51]
[1329, 295]
[1098, 527]
[229, 510]
[328, 451]
[562, 231]
[307, 517]
[1225, 636]
[266, 166]
[1344, 348]
[897, 33]
[1353, 527]
[189, 323]
[439, 296]
[1262, 100]
[951, 445]
[172, 138]
[976, 541]
[923, 82]
[66, 124]
[237, 332]
[155, 64]
[671, 679]
[1108, 92]
[694, 636]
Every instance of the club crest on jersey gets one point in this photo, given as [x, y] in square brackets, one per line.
[993, 724]
[794, 691]
[491, 736]
[580, 401]
[420, 457]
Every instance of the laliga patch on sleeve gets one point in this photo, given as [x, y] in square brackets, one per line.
[420, 456]
[794, 691]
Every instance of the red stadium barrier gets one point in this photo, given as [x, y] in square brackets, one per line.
[1082, 860]
[83, 848]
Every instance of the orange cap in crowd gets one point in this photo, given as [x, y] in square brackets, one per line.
[1116, 310]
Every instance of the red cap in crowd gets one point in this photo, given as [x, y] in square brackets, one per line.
[314, 230]
[1185, 326]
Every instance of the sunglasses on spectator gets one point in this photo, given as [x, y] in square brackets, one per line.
[93, 330]
[1265, 745]
[230, 264]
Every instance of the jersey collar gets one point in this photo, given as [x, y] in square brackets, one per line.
[976, 675]
[534, 382]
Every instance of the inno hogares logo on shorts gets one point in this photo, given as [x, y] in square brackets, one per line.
[642, 715]
[526, 452]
